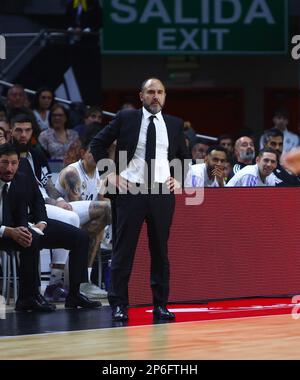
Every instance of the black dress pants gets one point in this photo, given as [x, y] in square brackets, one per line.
[131, 211]
[56, 235]
[29, 261]
[63, 235]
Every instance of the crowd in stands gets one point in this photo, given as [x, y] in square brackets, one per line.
[47, 132]
[42, 133]
[243, 162]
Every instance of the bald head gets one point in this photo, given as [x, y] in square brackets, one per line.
[153, 95]
[148, 81]
[244, 150]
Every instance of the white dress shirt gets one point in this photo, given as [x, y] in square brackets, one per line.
[136, 167]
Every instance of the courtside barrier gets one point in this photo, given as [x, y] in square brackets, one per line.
[240, 242]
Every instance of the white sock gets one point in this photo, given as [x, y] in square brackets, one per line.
[66, 275]
[57, 276]
[89, 274]
[59, 255]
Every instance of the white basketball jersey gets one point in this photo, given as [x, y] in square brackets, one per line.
[90, 187]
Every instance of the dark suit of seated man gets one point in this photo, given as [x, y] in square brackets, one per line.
[22, 193]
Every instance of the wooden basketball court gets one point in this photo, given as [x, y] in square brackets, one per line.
[264, 337]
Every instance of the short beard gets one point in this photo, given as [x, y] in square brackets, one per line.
[247, 155]
[152, 110]
[22, 148]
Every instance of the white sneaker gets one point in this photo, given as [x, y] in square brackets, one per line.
[92, 291]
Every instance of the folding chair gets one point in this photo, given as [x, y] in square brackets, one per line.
[9, 274]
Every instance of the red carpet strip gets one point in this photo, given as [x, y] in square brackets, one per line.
[220, 310]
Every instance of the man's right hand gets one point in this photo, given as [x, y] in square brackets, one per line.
[21, 235]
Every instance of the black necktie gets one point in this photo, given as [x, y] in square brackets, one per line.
[6, 217]
[150, 150]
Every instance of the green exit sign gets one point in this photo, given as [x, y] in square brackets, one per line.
[195, 26]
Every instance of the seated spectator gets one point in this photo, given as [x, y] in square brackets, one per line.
[5, 125]
[73, 153]
[18, 103]
[16, 97]
[93, 114]
[273, 138]
[2, 136]
[57, 139]
[41, 105]
[211, 173]
[244, 152]
[260, 174]
[227, 171]
[199, 149]
[35, 128]
[227, 142]
[281, 121]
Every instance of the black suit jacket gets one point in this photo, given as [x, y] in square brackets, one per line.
[125, 128]
[15, 212]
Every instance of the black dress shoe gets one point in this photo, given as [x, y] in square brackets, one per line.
[32, 304]
[161, 312]
[119, 313]
[79, 300]
[43, 301]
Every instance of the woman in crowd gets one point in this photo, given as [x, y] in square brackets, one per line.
[57, 139]
[41, 105]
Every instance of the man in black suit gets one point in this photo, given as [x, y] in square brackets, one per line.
[22, 193]
[14, 232]
[144, 135]
[14, 206]
[98, 213]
